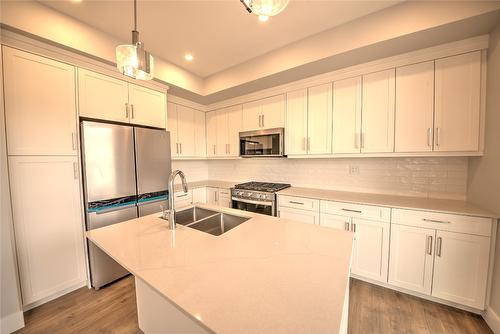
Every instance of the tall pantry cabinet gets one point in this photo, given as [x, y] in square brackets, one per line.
[41, 126]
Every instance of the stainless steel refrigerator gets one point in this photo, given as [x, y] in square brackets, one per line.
[126, 171]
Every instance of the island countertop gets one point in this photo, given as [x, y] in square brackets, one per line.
[267, 275]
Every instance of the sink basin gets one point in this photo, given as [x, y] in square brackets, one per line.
[190, 215]
[218, 224]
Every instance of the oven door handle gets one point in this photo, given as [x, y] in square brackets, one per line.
[249, 201]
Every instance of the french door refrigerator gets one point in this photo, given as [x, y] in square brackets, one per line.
[125, 170]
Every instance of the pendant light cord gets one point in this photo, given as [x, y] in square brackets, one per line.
[135, 15]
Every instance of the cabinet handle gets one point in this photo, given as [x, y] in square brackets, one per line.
[183, 195]
[438, 135]
[126, 109]
[228, 148]
[180, 145]
[293, 202]
[349, 210]
[353, 227]
[362, 140]
[304, 145]
[214, 149]
[346, 226]
[263, 120]
[439, 244]
[75, 170]
[308, 143]
[177, 148]
[132, 111]
[429, 244]
[260, 121]
[429, 137]
[436, 221]
[73, 141]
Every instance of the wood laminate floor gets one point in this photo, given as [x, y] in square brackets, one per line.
[372, 310]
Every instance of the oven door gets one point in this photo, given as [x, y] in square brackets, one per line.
[262, 207]
[262, 143]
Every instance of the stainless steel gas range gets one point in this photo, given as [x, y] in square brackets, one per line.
[258, 197]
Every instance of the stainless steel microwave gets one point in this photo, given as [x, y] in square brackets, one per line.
[262, 143]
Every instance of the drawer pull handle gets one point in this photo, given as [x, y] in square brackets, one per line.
[429, 244]
[435, 221]
[439, 244]
[183, 195]
[349, 210]
[293, 202]
[346, 226]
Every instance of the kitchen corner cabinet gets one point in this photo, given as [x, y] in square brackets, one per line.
[267, 113]
[48, 224]
[377, 127]
[223, 127]
[107, 98]
[187, 131]
[415, 108]
[458, 99]
[40, 108]
[347, 116]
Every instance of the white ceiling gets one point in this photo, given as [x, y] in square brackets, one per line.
[220, 34]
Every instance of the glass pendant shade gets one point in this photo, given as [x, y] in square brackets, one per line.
[266, 7]
[133, 61]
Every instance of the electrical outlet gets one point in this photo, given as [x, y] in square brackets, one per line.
[353, 170]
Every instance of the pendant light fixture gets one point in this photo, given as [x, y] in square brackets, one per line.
[132, 59]
[265, 7]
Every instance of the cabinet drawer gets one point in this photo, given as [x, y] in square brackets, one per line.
[224, 195]
[299, 203]
[443, 221]
[357, 210]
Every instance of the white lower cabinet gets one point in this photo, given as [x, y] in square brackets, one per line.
[183, 199]
[48, 224]
[412, 258]
[304, 216]
[335, 221]
[200, 195]
[219, 196]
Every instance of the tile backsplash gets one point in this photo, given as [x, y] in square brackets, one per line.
[433, 177]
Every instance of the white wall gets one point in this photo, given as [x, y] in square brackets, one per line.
[11, 316]
[422, 177]
[484, 172]
[195, 170]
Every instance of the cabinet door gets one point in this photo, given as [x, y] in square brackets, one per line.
[212, 194]
[461, 268]
[40, 107]
[252, 115]
[347, 115]
[273, 112]
[296, 122]
[211, 133]
[234, 119]
[319, 119]
[102, 97]
[224, 197]
[200, 195]
[458, 83]
[185, 130]
[200, 138]
[303, 216]
[411, 258]
[414, 107]
[378, 112]
[48, 224]
[147, 106]
[335, 221]
[172, 128]
[371, 249]
[222, 133]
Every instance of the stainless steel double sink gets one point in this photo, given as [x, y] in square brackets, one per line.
[208, 221]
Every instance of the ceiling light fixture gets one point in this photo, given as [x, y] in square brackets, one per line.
[263, 18]
[265, 7]
[131, 59]
[188, 57]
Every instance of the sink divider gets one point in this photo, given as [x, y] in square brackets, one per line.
[202, 219]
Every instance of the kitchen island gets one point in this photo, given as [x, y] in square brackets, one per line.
[267, 275]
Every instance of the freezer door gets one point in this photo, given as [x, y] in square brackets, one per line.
[108, 158]
[152, 149]
[103, 269]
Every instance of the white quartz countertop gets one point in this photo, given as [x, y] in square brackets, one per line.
[207, 183]
[393, 201]
[267, 275]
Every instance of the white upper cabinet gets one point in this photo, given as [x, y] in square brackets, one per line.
[223, 129]
[107, 98]
[102, 97]
[296, 122]
[187, 131]
[319, 119]
[234, 119]
[414, 107]
[347, 115]
[172, 128]
[211, 125]
[222, 133]
[457, 116]
[267, 113]
[40, 106]
[200, 139]
[147, 106]
[378, 112]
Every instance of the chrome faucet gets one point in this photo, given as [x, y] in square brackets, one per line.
[171, 206]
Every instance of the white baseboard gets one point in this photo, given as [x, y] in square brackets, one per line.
[12, 322]
[492, 319]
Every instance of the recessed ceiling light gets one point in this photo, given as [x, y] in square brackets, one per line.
[263, 18]
[77, 0]
[188, 57]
